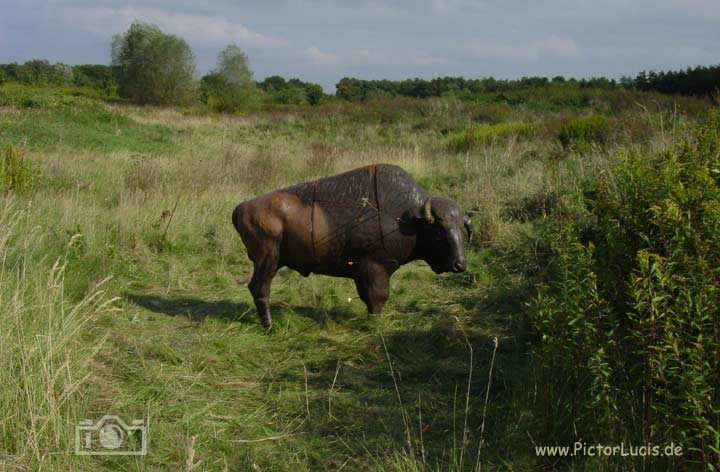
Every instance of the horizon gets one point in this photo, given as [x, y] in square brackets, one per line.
[394, 40]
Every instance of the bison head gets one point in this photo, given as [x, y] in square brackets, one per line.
[441, 229]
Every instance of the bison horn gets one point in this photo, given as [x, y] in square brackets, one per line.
[468, 227]
[427, 211]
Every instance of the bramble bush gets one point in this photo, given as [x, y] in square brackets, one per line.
[628, 327]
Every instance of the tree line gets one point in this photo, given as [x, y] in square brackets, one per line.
[42, 72]
[149, 66]
[698, 81]
[356, 89]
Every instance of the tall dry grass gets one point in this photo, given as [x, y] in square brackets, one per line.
[44, 356]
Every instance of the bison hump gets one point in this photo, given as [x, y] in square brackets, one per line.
[357, 212]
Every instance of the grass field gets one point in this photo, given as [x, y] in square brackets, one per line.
[123, 284]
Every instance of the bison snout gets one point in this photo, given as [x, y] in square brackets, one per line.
[459, 266]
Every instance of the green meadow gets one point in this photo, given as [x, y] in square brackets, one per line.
[123, 286]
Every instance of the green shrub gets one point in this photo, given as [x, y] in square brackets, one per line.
[290, 96]
[314, 94]
[16, 173]
[486, 134]
[629, 326]
[582, 133]
[576, 327]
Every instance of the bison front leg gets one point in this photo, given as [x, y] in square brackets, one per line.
[263, 273]
[373, 285]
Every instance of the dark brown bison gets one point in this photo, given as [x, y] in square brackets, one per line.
[362, 224]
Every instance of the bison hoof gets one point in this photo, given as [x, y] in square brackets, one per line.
[266, 323]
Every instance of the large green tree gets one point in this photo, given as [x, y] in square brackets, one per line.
[230, 86]
[153, 67]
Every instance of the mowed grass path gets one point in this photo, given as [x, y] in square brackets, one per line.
[318, 392]
[330, 387]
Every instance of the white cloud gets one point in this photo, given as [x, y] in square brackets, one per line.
[552, 45]
[194, 27]
[319, 56]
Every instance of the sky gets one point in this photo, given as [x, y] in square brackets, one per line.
[322, 40]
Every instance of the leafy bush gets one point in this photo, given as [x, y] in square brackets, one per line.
[16, 173]
[290, 96]
[629, 327]
[582, 133]
[486, 134]
[291, 92]
[314, 93]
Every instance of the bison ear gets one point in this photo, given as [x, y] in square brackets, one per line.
[419, 215]
[410, 217]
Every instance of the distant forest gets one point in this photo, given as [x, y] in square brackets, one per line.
[699, 81]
